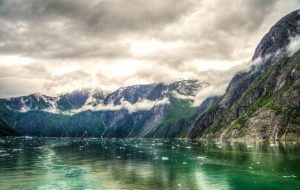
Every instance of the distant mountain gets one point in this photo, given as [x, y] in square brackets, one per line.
[95, 99]
[134, 111]
[263, 103]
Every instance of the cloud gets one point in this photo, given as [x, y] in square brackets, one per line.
[209, 92]
[66, 29]
[294, 45]
[142, 105]
[56, 46]
[217, 85]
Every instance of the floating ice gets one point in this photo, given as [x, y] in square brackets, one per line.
[272, 144]
[16, 149]
[188, 147]
[4, 155]
[164, 158]
[201, 157]
[289, 176]
[184, 162]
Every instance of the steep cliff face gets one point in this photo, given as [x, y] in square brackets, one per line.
[264, 102]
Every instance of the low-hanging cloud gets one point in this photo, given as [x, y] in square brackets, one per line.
[294, 45]
[143, 105]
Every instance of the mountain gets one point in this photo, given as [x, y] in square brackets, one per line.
[134, 111]
[264, 102]
[6, 130]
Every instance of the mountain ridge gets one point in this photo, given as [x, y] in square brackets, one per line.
[95, 98]
[250, 99]
[134, 111]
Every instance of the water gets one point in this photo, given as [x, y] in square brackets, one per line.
[66, 163]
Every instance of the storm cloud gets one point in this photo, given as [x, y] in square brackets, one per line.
[56, 46]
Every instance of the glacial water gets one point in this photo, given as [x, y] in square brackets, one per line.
[69, 163]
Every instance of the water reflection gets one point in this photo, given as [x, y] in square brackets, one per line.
[51, 163]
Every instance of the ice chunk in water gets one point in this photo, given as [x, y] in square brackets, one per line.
[16, 149]
[289, 176]
[164, 158]
[272, 144]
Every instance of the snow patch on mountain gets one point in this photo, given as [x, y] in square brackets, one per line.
[24, 108]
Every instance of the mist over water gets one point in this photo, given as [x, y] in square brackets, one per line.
[70, 163]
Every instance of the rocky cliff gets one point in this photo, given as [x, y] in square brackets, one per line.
[264, 102]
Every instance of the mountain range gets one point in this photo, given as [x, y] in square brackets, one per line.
[152, 110]
[262, 103]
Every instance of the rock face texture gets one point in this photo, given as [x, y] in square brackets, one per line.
[153, 110]
[264, 102]
[279, 35]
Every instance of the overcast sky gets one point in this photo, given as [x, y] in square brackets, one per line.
[56, 46]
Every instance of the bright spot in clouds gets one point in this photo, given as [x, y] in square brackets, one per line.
[148, 47]
[14, 60]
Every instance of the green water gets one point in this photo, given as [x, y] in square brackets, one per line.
[63, 163]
